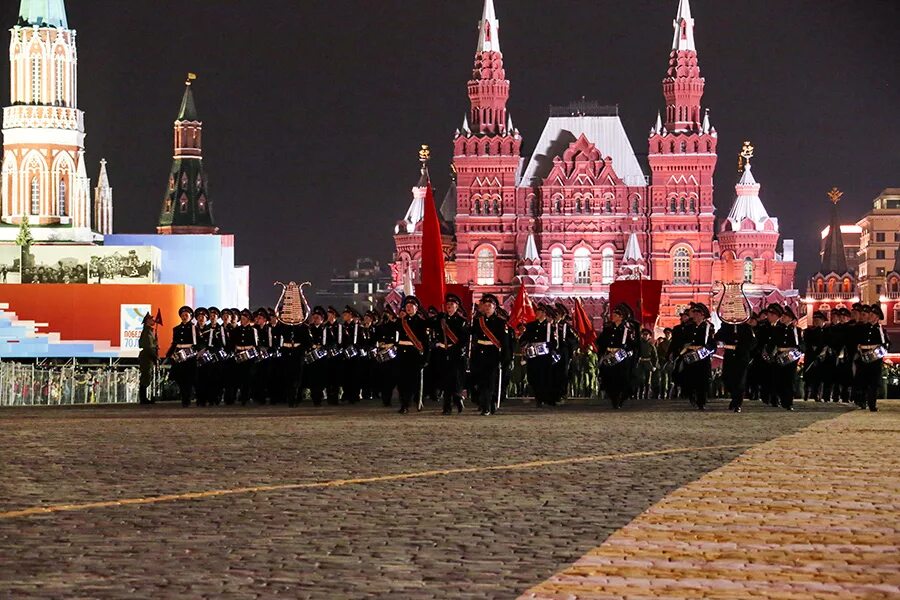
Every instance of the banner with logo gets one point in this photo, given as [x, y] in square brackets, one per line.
[131, 319]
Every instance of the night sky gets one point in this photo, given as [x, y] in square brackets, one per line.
[314, 110]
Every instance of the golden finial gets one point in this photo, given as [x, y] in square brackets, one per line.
[835, 195]
[424, 154]
[745, 156]
[453, 171]
[190, 78]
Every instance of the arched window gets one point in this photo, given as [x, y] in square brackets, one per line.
[846, 286]
[578, 205]
[36, 79]
[608, 266]
[820, 285]
[476, 207]
[35, 196]
[635, 206]
[748, 270]
[60, 80]
[582, 266]
[681, 266]
[558, 209]
[683, 147]
[183, 203]
[831, 285]
[201, 203]
[673, 207]
[556, 266]
[609, 206]
[485, 267]
[683, 205]
[693, 205]
[62, 197]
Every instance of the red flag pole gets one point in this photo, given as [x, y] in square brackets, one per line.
[433, 279]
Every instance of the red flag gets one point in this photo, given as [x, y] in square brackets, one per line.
[583, 325]
[641, 295]
[431, 289]
[158, 318]
[522, 310]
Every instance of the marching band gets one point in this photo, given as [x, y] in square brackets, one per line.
[233, 355]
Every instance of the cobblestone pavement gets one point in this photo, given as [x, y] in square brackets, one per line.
[482, 530]
[815, 514]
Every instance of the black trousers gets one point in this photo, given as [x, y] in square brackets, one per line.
[540, 376]
[486, 376]
[734, 375]
[334, 376]
[614, 382]
[245, 374]
[409, 376]
[450, 370]
[184, 374]
[866, 381]
[207, 378]
[784, 384]
[290, 376]
[386, 376]
[315, 377]
[696, 379]
[351, 370]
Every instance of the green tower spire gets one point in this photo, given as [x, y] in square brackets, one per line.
[43, 13]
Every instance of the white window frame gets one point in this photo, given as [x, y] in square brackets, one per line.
[582, 264]
[681, 266]
[608, 270]
[556, 266]
[485, 267]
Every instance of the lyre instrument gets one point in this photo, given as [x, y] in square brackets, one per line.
[292, 307]
[734, 306]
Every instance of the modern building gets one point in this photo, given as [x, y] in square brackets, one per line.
[364, 287]
[563, 219]
[878, 242]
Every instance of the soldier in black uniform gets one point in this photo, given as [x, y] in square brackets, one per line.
[697, 374]
[367, 361]
[451, 340]
[229, 383]
[244, 338]
[201, 315]
[738, 341]
[148, 358]
[293, 342]
[262, 375]
[566, 345]
[316, 371]
[539, 340]
[413, 353]
[768, 335]
[351, 343]
[334, 363]
[870, 337]
[680, 335]
[830, 387]
[816, 351]
[386, 370]
[614, 343]
[489, 343]
[184, 337]
[785, 339]
[846, 355]
[216, 338]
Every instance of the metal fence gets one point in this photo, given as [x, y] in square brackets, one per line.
[60, 383]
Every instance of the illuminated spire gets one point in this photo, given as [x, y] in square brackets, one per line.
[488, 29]
[684, 28]
[44, 13]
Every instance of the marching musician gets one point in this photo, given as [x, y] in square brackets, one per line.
[448, 357]
[316, 370]
[566, 345]
[293, 342]
[872, 342]
[829, 368]
[334, 361]
[148, 357]
[184, 365]
[769, 328]
[846, 355]
[697, 368]
[386, 338]
[785, 343]
[738, 340]
[201, 316]
[614, 344]
[539, 344]
[244, 338]
[216, 339]
[413, 353]
[489, 344]
[367, 361]
[680, 334]
[352, 340]
[816, 350]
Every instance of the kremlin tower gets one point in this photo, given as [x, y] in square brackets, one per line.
[186, 206]
[44, 178]
[583, 211]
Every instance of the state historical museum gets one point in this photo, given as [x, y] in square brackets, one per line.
[582, 211]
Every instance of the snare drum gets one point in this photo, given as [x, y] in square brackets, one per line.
[386, 354]
[351, 352]
[183, 355]
[315, 355]
[263, 355]
[245, 356]
[873, 355]
[788, 356]
[613, 358]
[207, 356]
[536, 350]
[697, 355]
[335, 352]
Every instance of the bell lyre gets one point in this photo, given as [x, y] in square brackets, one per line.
[291, 307]
[734, 307]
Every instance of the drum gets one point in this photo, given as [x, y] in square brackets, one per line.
[873, 355]
[245, 356]
[697, 355]
[315, 355]
[610, 359]
[386, 354]
[264, 354]
[207, 356]
[788, 356]
[536, 350]
[183, 355]
[335, 352]
[351, 352]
